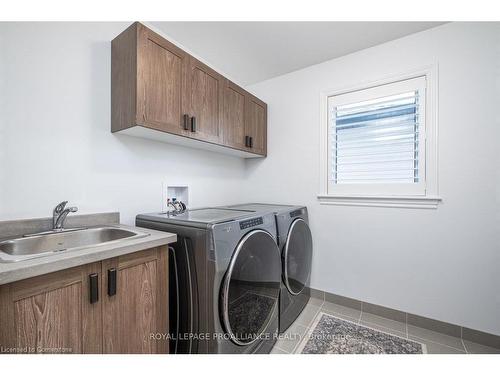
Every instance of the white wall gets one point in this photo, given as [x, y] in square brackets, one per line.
[443, 263]
[55, 139]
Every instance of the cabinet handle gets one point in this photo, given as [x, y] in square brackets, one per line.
[247, 141]
[186, 122]
[111, 282]
[250, 143]
[94, 287]
[193, 124]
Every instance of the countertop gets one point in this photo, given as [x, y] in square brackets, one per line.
[15, 271]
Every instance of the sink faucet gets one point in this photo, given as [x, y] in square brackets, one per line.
[59, 215]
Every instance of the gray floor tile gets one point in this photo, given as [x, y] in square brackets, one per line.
[307, 315]
[340, 316]
[384, 329]
[384, 322]
[289, 340]
[473, 348]
[483, 338]
[436, 337]
[435, 348]
[277, 350]
[315, 301]
[339, 309]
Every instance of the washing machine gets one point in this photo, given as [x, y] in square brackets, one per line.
[295, 242]
[224, 280]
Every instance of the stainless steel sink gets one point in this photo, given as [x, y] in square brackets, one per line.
[50, 243]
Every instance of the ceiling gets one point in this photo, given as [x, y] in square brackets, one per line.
[250, 52]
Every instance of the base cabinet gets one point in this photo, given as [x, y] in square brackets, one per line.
[119, 305]
[135, 307]
[51, 314]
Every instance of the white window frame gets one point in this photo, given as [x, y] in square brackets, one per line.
[423, 194]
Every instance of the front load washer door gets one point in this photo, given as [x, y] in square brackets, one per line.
[251, 287]
[297, 256]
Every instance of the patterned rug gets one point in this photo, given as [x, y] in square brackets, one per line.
[332, 335]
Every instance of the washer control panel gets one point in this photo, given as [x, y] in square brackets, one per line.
[251, 222]
[297, 213]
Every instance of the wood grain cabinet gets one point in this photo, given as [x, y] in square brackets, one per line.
[51, 313]
[135, 309]
[161, 68]
[204, 102]
[115, 306]
[159, 91]
[147, 82]
[235, 104]
[256, 124]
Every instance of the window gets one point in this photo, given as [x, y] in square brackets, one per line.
[376, 143]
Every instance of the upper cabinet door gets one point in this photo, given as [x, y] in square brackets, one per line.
[204, 101]
[161, 82]
[256, 125]
[234, 116]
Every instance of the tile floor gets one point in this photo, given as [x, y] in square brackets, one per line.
[437, 343]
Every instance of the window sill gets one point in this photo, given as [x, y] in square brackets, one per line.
[381, 201]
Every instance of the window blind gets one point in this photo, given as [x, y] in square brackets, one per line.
[376, 141]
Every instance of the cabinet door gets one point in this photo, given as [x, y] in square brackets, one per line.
[234, 116]
[139, 308]
[205, 97]
[52, 313]
[161, 82]
[256, 124]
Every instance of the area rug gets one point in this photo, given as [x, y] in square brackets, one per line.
[332, 335]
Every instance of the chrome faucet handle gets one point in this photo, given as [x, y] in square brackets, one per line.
[61, 218]
[57, 212]
[59, 215]
[60, 207]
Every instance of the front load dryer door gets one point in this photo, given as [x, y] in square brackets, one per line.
[297, 257]
[251, 287]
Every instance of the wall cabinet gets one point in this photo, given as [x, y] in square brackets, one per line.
[235, 104]
[160, 82]
[159, 91]
[113, 306]
[204, 102]
[255, 124]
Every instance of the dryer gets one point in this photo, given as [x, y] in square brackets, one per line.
[224, 282]
[295, 242]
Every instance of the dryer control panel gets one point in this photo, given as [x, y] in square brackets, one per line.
[251, 223]
[297, 213]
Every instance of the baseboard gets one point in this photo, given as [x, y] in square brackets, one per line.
[450, 329]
